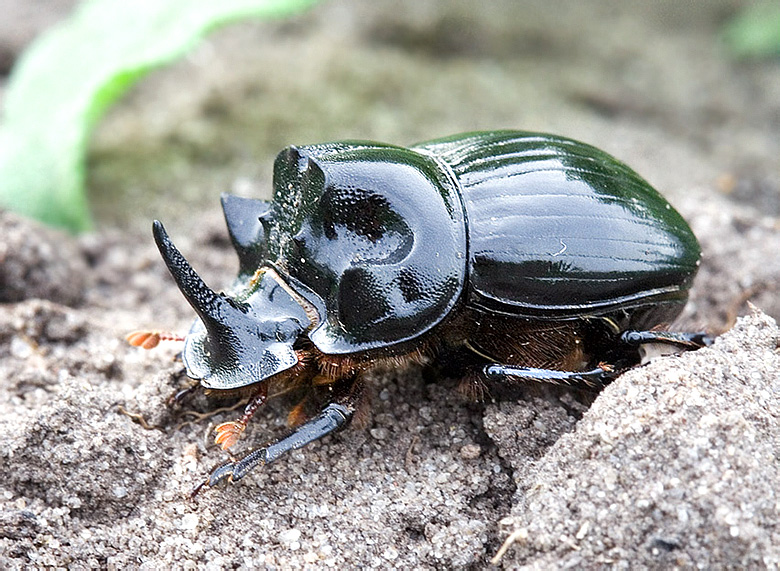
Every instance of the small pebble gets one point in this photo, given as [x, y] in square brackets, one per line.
[470, 451]
[189, 522]
[290, 536]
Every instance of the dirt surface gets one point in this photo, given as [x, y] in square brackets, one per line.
[674, 464]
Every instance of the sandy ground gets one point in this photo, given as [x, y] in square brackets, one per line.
[674, 464]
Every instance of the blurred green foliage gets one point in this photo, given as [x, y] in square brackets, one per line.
[67, 79]
[755, 31]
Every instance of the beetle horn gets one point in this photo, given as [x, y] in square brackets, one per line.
[214, 310]
[247, 222]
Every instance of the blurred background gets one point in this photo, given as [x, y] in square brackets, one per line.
[653, 83]
[656, 83]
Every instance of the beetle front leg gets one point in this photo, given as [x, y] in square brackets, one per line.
[332, 418]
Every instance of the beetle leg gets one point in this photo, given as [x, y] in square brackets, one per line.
[228, 433]
[600, 376]
[333, 417]
[183, 394]
[687, 340]
[652, 344]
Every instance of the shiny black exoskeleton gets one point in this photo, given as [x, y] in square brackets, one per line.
[530, 257]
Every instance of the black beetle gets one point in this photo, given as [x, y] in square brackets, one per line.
[521, 256]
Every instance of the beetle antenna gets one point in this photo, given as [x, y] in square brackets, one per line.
[150, 339]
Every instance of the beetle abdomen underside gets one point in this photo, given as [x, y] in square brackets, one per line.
[558, 226]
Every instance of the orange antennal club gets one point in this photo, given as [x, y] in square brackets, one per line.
[150, 339]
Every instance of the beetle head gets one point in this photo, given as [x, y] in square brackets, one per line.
[234, 344]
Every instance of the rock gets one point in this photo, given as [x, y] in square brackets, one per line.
[38, 262]
[675, 465]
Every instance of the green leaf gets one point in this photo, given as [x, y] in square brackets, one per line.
[755, 31]
[65, 81]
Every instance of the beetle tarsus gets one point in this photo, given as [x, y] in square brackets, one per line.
[218, 474]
